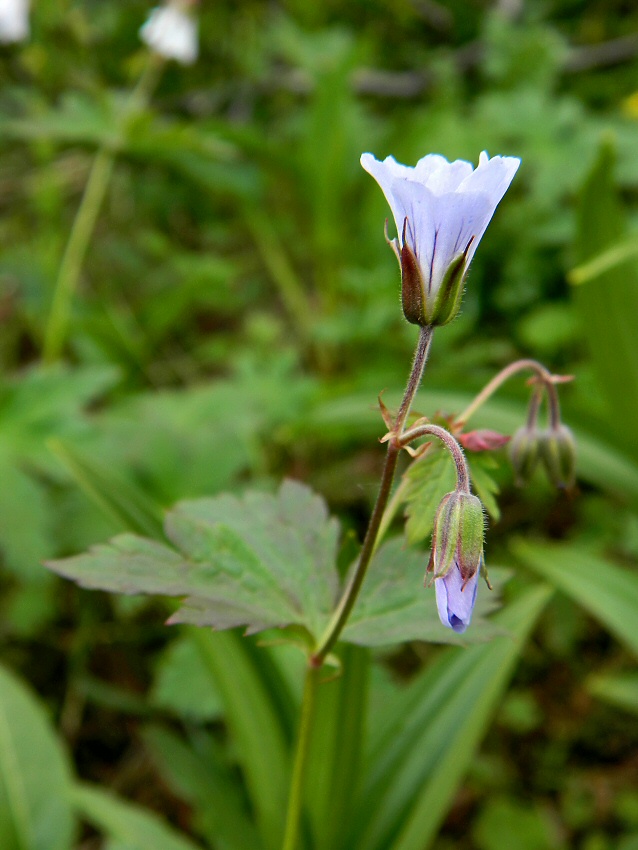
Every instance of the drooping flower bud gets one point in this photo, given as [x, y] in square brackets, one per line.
[558, 453]
[524, 452]
[456, 558]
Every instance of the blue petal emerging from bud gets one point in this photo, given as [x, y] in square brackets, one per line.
[455, 601]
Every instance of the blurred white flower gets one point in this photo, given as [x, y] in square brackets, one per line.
[171, 32]
[14, 20]
[441, 210]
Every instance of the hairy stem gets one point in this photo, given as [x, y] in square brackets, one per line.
[452, 445]
[349, 597]
[544, 376]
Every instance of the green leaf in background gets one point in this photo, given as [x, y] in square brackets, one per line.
[35, 778]
[506, 823]
[126, 824]
[194, 773]
[79, 118]
[486, 488]
[609, 593]
[182, 684]
[394, 606]
[619, 689]
[118, 498]
[608, 304]
[333, 774]
[48, 402]
[260, 561]
[431, 733]
[253, 709]
[42, 403]
[25, 522]
[428, 480]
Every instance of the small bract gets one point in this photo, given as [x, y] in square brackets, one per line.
[172, 33]
[441, 210]
[14, 20]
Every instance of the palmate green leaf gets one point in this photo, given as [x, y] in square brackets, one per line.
[275, 558]
[428, 480]
[394, 606]
[431, 733]
[259, 561]
[608, 592]
[126, 824]
[35, 778]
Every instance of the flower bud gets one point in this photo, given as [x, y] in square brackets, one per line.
[524, 451]
[558, 453]
[458, 535]
[457, 557]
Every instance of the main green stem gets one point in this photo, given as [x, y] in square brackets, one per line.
[335, 627]
[351, 592]
[295, 800]
[84, 224]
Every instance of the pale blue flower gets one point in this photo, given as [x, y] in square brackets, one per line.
[441, 209]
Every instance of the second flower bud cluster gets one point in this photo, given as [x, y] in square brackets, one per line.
[553, 447]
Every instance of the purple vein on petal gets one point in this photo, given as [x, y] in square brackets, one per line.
[436, 234]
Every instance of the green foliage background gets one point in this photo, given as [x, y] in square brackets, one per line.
[237, 317]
